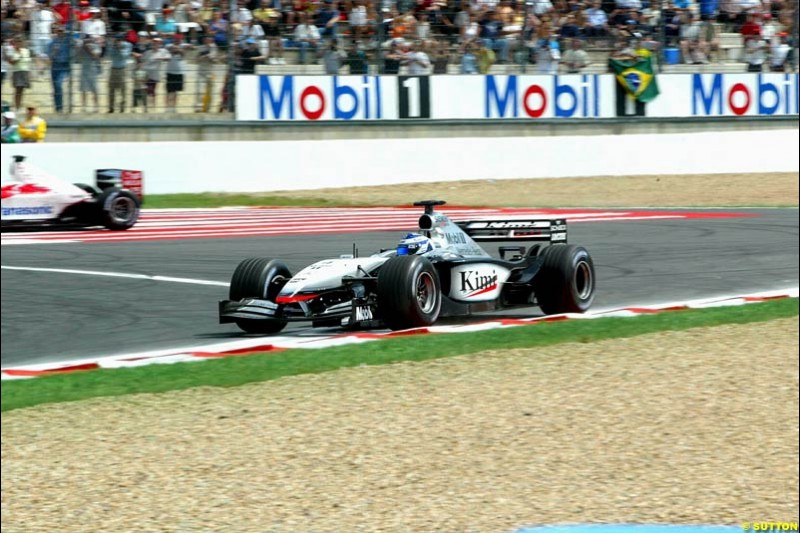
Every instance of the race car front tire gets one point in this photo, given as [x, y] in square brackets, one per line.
[565, 283]
[409, 292]
[118, 209]
[263, 278]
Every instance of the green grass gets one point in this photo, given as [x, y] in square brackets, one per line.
[155, 201]
[233, 371]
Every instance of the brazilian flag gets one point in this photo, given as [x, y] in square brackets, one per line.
[636, 76]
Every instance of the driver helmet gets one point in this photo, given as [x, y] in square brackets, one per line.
[414, 244]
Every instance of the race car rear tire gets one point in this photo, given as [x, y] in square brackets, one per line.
[259, 277]
[409, 292]
[118, 209]
[566, 281]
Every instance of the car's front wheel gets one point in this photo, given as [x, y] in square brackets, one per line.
[409, 292]
[261, 278]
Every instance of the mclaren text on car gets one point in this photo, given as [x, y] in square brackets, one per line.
[34, 198]
[439, 271]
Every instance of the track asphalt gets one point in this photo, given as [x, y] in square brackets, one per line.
[52, 316]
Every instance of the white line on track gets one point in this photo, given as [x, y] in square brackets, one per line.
[128, 275]
[182, 354]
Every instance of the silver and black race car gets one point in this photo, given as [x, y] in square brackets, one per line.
[439, 271]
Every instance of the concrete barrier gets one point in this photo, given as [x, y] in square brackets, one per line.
[254, 166]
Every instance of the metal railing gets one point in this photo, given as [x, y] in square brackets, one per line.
[81, 58]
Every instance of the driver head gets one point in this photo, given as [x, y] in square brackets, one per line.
[414, 244]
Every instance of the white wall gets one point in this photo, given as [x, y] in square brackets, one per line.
[182, 167]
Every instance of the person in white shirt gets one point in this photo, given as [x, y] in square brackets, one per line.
[541, 7]
[176, 66]
[596, 21]
[19, 58]
[779, 53]
[358, 19]
[575, 59]
[153, 60]
[629, 4]
[307, 37]
[755, 53]
[94, 27]
[770, 28]
[548, 55]
[41, 24]
[417, 61]
[4, 63]
[693, 44]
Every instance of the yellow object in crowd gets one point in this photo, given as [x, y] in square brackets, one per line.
[33, 129]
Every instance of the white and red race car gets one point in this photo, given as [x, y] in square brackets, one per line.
[32, 197]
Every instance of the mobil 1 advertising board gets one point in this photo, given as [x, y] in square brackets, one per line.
[714, 95]
[520, 97]
[311, 98]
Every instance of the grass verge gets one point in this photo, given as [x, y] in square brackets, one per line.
[233, 371]
[160, 201]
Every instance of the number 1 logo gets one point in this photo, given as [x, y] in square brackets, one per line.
[415, 101]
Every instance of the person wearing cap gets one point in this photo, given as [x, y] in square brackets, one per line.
[755, 53]
[59, 53]
[94, 26]
[10, 131]
[250, 56]
[272, 31]
[34, 128]
[83, 12]
[165, 22]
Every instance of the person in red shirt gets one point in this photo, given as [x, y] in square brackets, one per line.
[84, 12]
[751, 28]
[63, 11]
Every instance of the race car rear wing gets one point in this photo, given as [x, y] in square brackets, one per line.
[540, 230]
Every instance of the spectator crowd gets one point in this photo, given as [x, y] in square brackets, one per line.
[144, 54]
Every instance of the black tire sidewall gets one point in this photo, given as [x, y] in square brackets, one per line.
[253, 279]
[397, 300]
[555, 286]
[106, 200]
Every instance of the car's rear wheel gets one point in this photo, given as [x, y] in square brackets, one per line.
[409, 292]
[118, 209]
[261, 278]
[566, 281]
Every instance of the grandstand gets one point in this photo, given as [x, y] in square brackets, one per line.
[262, 36]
